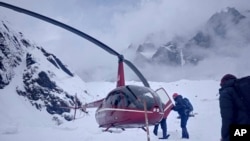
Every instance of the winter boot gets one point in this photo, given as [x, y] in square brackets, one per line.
[165, 137]
[155, 132]
[185, 134]
[156, 129]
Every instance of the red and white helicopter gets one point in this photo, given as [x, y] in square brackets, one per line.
[127, 106]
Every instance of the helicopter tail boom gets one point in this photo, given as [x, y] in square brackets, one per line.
[94, 104]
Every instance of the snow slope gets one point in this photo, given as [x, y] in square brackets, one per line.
[40, 77]
[21, 122]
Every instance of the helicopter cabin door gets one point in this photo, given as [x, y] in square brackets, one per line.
[168, 104]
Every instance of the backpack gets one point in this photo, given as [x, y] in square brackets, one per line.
[188, 105]
[242, 87]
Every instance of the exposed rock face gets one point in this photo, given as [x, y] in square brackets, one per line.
[45, 79]
[221, 26]
[11, 54]
[168, 55]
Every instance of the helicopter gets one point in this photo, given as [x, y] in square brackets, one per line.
[126, 106]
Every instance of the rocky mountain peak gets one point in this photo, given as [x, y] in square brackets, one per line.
[228, 27]
[219, 22]
[45, 82]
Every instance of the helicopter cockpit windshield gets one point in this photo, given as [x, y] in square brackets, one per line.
[142, 94]
[133, 97]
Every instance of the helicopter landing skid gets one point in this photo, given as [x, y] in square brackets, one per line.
[114, 131]
[144, 129]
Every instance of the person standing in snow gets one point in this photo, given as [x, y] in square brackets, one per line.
[182, 111]
[163, 124]
[232, 109]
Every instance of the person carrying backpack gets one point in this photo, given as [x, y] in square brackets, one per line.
[233, 104]
[183, 110]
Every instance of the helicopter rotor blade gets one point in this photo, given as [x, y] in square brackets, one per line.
[137, 72]
[79, 33]
[62, 25]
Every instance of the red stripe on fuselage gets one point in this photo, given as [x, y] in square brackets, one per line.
[126, 118]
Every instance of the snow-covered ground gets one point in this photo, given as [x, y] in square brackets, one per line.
[21, 122]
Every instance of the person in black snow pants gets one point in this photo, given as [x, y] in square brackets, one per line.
[163, 124]
[181, 109]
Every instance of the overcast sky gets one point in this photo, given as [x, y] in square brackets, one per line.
[117, 23]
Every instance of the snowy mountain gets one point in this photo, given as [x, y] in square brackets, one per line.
[228, 27]
[39, 77]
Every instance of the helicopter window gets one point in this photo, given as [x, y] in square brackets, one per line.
[139, 95]
[108, 102]
[148, 98]
[148, 95]
[116, 99]
[129, 102]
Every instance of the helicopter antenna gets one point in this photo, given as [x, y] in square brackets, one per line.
[81, 34]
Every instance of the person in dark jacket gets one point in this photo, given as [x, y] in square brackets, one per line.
[182, 111]
[232, 109]
[163, 124]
